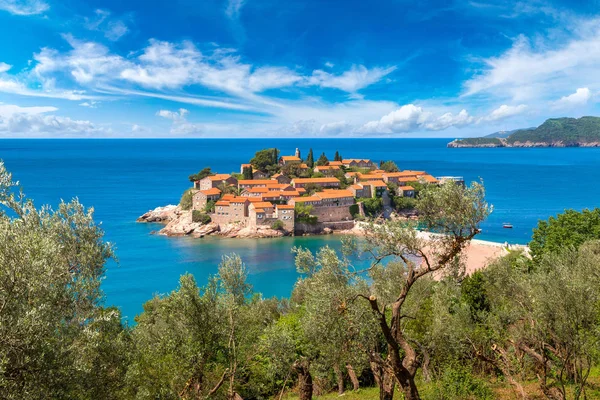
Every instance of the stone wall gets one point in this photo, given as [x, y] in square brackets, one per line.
[330, 214]
[302, 228]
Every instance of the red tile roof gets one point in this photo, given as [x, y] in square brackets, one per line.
[211, 192]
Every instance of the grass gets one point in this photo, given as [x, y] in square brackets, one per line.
[501, 389]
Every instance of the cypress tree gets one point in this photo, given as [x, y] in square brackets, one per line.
[310, 160]
[337, 156]
[247, 172]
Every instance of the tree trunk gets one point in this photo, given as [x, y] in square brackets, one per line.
[353, 377]
[384, 379]
[305, 384]
[339, 377]
[409, 388]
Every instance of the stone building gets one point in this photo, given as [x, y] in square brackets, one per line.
[202, 197]
[323, 182]
[214, 181]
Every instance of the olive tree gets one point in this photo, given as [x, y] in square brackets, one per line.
[56, 339]
[452, 214]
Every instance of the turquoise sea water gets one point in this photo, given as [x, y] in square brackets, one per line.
[122, 179]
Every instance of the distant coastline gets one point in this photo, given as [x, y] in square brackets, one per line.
[558, 132]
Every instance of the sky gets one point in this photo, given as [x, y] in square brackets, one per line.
[312, 68]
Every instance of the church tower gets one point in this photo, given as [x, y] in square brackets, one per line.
[298, 153]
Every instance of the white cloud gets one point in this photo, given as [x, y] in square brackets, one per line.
[4, 67]
[335, 128]
[234, 7]
[410, 118]
[577, 99]
[352, 80]
[34, 120]
[540, 69]
[505, 111]
[24, 7]
[329, 64]
[178, 115]
[89, 104]
[113, 29]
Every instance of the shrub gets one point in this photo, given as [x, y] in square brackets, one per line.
[277, 225]
[373, 206]
[199, 216]
[404, 203]
[354, 210]
[457, 383]
[186, 200]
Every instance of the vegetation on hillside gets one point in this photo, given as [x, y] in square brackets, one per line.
[520, 328]
[570, 132]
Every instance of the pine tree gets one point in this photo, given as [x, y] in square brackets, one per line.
[310, 160]
[337, 156]
[322, 160]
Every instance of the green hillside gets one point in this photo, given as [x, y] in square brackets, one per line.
[559, 132]
[569, 131]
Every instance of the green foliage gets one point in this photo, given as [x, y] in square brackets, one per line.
[209, 207]
[265, 160]
[303, 213]
[277, 225]
[337, 156]
[388, 166]
[310, 159]
[200, 175]
[481, 141]
[458, 383]
[569, 229]
[354, 210]
[54, 332]
[293, 170]
[373, 206]
[312, 188]
[568, 131]
[199, 216]
[186, 199]
[404, 203]
[322, 160]
[473, 293]
[247, 173]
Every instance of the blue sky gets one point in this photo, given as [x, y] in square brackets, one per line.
[259, 68]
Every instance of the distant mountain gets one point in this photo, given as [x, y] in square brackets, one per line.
[555, 132]
[505, 134]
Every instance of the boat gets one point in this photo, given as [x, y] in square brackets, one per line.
[507, 225]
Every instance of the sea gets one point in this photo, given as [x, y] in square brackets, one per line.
[123, 178]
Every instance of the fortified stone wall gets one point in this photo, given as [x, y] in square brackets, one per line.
[331, 214]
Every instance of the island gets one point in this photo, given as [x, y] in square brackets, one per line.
[555, 132]
[274, 196]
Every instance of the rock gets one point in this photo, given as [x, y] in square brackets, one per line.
[204, 230]
[160, 214]
[327, 231]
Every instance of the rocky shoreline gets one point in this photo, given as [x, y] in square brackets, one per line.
[179, 222]
[501, 142]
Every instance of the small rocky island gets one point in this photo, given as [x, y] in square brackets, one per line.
[274, 196]
[557, 132]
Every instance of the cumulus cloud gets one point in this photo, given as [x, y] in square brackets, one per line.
[180, 125]
[24, 7]
[505, 111]
[577, 99]
[178, 115]
[4, 67]
[409, 118]
[35, 120]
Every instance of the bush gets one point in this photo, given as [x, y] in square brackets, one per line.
[199, 216]
[354, 210]
[373, 206]
[277, 225]
[186, 200]
[457, 383]
[404, 203]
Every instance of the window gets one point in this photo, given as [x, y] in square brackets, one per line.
[259, 216]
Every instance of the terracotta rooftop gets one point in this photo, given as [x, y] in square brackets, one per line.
[335, 163]
[284, 207]
[303, 165]
[258, 190]
[259, 210]
[238, 200]
[263, 204]
[406, 188]
[227, 197]
[315, 180]
[377, 183]
[429, 178]
[326, 167]
[349, 160]
[290, 158]
[255, 181]
[334, 194]
[211, 192]
[222, 203]
[307, 198]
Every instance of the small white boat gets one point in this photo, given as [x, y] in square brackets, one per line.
[507, 225]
